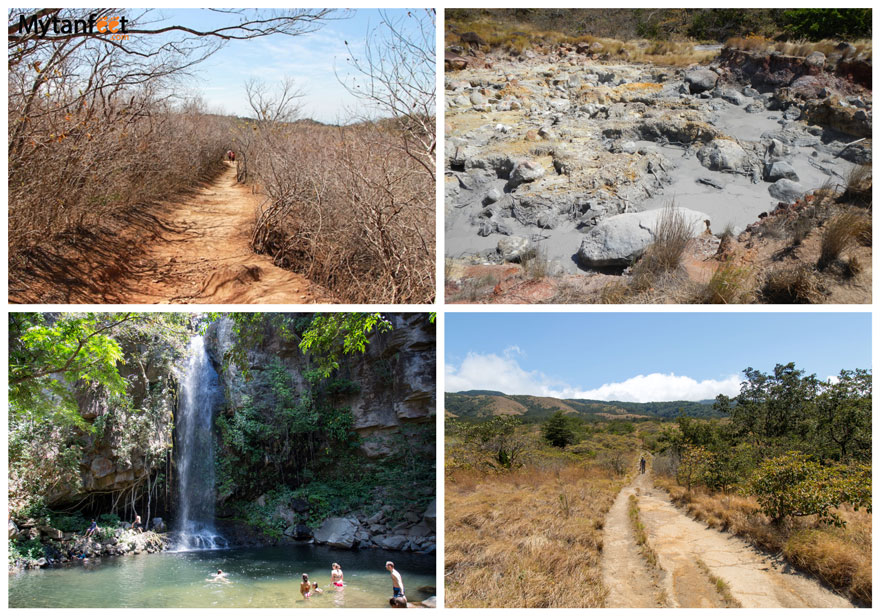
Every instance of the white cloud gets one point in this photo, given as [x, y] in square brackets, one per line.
[489, 371]
[833, 379]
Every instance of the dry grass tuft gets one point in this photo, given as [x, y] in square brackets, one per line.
[527, 538]
[720, 585]
[641, 536]
[859, 186]
[729, 285]
[535, 264]
[792, 285]
[840, 233]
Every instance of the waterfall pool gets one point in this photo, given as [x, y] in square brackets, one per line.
[258, 577]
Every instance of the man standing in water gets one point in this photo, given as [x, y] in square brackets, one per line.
[396, 580]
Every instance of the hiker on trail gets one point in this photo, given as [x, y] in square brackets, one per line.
[396, 580]
[642, 465]
[230, 155]
[93, 528]
[336, 575]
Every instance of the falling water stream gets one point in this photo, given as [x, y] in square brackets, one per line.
[199, 396]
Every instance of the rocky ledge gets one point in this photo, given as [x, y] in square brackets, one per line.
[59, 548]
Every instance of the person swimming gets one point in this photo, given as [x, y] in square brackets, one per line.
[218, 577]
[336, 575]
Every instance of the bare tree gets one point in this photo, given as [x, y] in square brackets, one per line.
[397, 75]
[278, 106]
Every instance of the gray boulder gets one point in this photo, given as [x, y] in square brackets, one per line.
[337, 532]
[159, 525]
[393, 542]
[731, 96]
[477, 98]
[512, 248]
[700, 80]
[617, 240]
[13, 529]
[817, 59]
[781, 169]
[430, 514]
[526, 171]
[786, 191]
[723, 155]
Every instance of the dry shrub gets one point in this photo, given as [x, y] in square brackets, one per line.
[840, 233]
[791, 285]
[839, 556]
[72, 165]
[728, 285]
[509, 542]
[535, 264]
[614, 293]
[346, 208]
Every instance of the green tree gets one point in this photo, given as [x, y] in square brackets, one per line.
[694, 466]
[817, 24]
[558, 430]
[794, 485]
[844, 415]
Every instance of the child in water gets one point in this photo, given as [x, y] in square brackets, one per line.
[307, 588]
[219, 577]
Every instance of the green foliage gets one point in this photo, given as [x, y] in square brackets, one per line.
[25, 551]
[496, 438]
[56, 362]
[695, 465]
[795, 485]
[817, 24]
[109, 519]
[332, 333]
[560, 430]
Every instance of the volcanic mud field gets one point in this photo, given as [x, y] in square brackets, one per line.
[571, 155]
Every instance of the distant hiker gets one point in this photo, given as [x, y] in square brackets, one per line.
[219, 577]
[642, 465]
[336, 575]
[230, 155]
[396, 580]
[137, 525]
[93, 527]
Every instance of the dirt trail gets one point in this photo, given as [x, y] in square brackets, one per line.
[625, 573]
[193, 249]
[753, 578]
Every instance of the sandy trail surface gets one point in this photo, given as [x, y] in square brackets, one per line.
[193, 249]
[753, 578]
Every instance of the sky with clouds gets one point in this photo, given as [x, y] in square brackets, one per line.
[644, 357]
[313, 60]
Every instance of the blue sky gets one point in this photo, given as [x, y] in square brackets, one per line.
[644, 356]
[310, 59]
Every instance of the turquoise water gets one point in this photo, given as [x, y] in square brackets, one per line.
[258, 577]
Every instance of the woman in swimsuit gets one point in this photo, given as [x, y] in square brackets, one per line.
[336, 575]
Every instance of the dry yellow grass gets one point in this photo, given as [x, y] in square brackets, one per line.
[799, 49]
[529, 538]
[841, 557]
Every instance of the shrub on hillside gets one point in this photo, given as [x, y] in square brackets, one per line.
[793, 485]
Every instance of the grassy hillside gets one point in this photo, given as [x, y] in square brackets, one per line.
[480, 404]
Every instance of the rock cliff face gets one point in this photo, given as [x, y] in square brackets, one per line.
[396, 377]
[114, 460]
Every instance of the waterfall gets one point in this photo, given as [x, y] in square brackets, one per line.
[199, 395]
